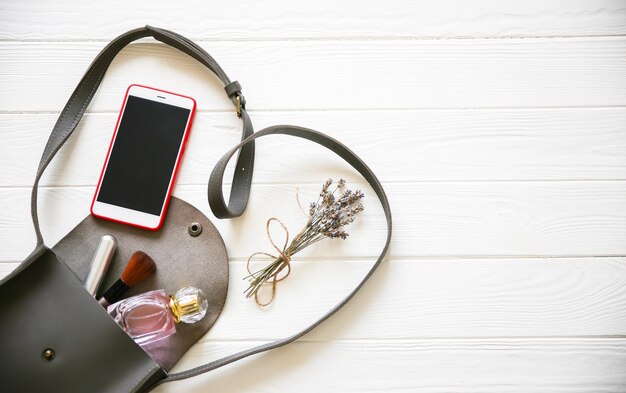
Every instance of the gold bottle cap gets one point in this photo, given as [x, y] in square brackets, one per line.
[188, 305]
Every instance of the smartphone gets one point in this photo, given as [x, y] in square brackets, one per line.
[139, 172]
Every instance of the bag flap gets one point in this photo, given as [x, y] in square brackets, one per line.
[182, 260]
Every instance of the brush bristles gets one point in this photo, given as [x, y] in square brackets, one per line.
[138, 268]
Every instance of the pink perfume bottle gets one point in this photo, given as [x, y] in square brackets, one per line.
[153, 315]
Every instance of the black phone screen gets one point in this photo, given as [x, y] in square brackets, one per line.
[143, 155]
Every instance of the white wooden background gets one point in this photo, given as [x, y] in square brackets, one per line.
[498, 129]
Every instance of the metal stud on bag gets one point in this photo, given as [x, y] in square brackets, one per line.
[48, 354]
[195, 229]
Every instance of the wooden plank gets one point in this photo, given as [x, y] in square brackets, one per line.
[273, 19]
[392, 74]
[497, 365]
[443, 314]
[428, 145]
[430, 219]
[437, 298]
[450, 365]
[409, 299]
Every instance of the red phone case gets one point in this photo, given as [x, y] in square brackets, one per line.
[176, 165]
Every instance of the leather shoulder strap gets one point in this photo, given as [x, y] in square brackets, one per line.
[84, 92]
[242, 179]
[217, 203]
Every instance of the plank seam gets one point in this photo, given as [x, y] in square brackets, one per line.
[339, 39]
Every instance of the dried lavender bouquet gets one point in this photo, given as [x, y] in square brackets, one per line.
[334, 209]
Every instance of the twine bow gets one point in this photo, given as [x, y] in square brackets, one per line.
[325, 218]
[283, 257]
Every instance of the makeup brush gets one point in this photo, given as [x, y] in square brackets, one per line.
[138, 268]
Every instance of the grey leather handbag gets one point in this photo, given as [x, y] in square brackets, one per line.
[55, 337]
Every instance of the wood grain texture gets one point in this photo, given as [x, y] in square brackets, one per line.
[425, 145]
[425, 298]
[412, 298]
[409, 299]
[280, 20]
[371, 74]
[450, 365]
[431, 219]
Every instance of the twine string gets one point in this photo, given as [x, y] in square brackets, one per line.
[284, 256]
[306, 213]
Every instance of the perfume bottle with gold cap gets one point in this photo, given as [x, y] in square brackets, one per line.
[153, 315]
